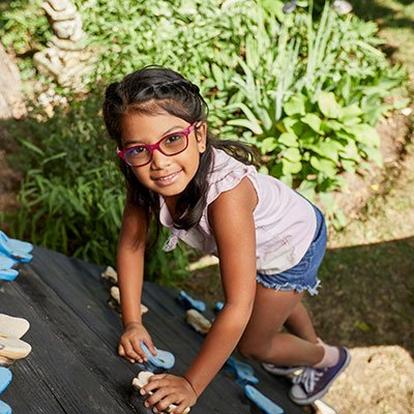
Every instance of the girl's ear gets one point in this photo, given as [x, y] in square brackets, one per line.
[201, 136]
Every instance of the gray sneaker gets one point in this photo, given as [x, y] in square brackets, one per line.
[314, 383]
[280, 370]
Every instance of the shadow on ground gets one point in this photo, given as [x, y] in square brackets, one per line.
[385, 16]
[366, 298]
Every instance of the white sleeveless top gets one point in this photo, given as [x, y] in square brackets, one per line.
[285, 221]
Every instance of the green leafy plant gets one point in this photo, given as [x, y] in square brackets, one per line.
[72, 196]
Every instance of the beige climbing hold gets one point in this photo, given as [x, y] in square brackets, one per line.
[5, 362]
[110, 274]
[116, 295]
[142, 379]
[13, 348]
[322, 408]
[11, 326]
[198, 321]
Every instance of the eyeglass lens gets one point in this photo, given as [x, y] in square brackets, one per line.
[170, 145]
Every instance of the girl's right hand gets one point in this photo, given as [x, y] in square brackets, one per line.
[130, 343]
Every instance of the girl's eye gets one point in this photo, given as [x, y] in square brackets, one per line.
[136, 150]
[173, 138]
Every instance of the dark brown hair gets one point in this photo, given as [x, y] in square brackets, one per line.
[156, 89]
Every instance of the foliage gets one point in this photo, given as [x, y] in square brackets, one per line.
[305, 88]
[72, 197]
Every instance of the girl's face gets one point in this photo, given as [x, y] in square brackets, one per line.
[166, 175]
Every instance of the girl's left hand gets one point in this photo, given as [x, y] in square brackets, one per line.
[169, 389]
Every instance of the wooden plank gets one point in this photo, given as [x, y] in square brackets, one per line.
[68, 364]
[66, 303]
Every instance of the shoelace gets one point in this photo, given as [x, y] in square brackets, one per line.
[308, 378]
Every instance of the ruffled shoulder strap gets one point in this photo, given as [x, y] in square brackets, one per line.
[227, 172]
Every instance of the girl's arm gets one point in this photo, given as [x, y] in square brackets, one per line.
[231, 218]
[130, 266]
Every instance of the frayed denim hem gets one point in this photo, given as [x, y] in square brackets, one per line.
[312, 290]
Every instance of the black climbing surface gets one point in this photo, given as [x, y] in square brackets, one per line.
[74, 368]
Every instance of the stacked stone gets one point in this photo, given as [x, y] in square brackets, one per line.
[66, 58]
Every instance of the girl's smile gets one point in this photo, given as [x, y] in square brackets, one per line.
[164, 174]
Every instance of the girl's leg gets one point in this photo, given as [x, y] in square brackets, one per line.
[300, 324]
[262, 339]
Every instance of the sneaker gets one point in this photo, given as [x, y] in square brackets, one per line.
[280, 370]
[314, 383]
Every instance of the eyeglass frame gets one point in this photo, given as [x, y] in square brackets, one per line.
[157, 146]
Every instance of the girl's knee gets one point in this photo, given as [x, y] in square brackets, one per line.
[252, 350]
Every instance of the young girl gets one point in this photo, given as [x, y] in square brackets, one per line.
[269, 239]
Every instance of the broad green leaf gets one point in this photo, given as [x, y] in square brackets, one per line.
[328, 149]
[328, 105]
[373, 154]
[365, 134]
[350, 151]
[295, 105]
[331, 125]
[314, 122]
[289, 139]
[351, 111]
[325, 166]
[348, 165]
[292, 154]
[268, 145]
[291, 167]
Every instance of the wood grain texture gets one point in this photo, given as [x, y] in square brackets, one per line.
[74, 368]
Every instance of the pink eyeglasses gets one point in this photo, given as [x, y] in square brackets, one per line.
[171, 144]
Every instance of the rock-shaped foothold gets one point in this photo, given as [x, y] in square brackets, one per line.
[322, 408]
[197, 321]
[163, 359]
[243, 372]
[110, 274]
[261, 401]
[13, 327]
[141, 380]
[13, 348]
[190, 303]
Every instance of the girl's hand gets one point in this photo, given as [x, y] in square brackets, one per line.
[130, 343]
[169, 389]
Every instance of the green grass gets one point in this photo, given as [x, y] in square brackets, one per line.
[367, 294]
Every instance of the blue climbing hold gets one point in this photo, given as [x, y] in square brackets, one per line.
[15, 248]
[163, 359]
[244, 372]
[190, 303]
[15, 244]
[262, 402]
[5, 378]
[218, 307]
[4, 408]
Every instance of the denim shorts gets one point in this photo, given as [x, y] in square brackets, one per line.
[304, 275]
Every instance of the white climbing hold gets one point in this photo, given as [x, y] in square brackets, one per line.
[198, 321]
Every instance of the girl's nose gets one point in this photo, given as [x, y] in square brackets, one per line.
[159, 160]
